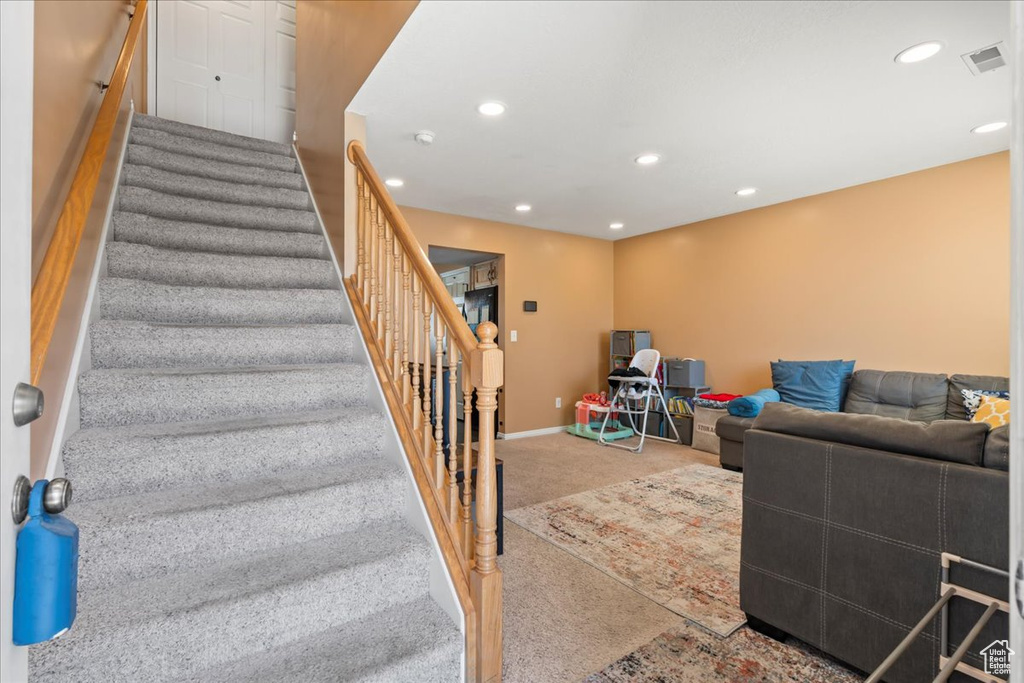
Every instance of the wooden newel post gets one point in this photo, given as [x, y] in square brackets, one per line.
[487, 375]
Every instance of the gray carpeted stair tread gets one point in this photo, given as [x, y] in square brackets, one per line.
[179, 623]
[109, 398]
[139, 228]
[201, 149]
[181, 185]
[177, 454]
[153, 203]
[141, 344]
[416, 641]
[171, 267]
[210, 135]
[242, 516]
[156, 532]
[129, 299]
[143, 155]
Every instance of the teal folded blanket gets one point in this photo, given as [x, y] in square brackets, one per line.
[750, 406]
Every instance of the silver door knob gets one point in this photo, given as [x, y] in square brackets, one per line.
[57, 496]
[28, 404]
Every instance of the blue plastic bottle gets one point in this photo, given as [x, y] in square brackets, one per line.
[46, 574]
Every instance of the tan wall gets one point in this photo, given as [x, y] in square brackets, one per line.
[562, 348]
[909, 273]
[51, 115]
[76, 45]
[337, 46]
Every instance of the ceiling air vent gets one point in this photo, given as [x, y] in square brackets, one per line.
[986, 59]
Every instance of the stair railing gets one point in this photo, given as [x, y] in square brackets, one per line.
[419, 344]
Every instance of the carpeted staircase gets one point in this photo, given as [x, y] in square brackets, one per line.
[240, 520]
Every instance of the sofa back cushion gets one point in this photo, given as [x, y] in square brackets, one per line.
[916, 396]
[955, 400]
[949, 440]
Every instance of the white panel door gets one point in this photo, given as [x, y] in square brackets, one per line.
[280, 81]
[185, 85]
[16, 36]
[237, 32]
[210, 64]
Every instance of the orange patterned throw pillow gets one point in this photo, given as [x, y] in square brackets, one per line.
[993, 411]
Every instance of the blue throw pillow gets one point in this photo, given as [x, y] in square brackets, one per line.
[810, 384]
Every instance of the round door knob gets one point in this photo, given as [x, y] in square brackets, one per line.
[216, 78]
[57, 496]
[28, 404]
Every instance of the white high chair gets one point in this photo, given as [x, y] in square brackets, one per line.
[640, 388]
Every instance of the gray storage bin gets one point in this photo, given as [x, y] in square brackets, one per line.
[628, 342]
[653, 423]
[684, 373]
[684, 425]
[622, 343]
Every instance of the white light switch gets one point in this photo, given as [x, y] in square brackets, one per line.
[558, 402]
[513, 336]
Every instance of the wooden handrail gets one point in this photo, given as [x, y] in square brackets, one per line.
[55, 271]
[418, 341]
[418, 260]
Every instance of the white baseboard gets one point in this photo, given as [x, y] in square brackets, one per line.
[533, 432]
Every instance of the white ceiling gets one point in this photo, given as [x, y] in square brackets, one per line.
[794, 98]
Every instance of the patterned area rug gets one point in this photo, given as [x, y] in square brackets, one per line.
[688, 654]
[674, 537]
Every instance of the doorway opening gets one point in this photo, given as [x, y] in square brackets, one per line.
[475, 281]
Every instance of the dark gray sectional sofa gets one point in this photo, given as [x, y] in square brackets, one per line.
[845, 516]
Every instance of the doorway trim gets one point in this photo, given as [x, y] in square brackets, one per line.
[154, 13]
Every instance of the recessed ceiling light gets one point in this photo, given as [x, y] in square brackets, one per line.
[746, 191]
[523, 208]
[394, 182]
[990, 127]
[615, 226]
[919, 53]
[491, 109]
[647, 159]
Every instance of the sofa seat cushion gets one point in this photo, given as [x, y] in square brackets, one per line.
[732, 428]
[955, 409]
[917, 396]
[949, 440]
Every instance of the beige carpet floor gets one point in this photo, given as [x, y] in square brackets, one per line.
[564, 619]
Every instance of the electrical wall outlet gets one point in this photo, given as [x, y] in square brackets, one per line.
[558, 402]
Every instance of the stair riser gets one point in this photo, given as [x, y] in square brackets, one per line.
[122, 300]
[150, 203]
[114, 553]
[210, 135]
[225, 631]
[205, 150]
[151, 464]
[217, 270]
[160, 346]
[167, 234]
[208, 168]
[216, 190]
[169, 398]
